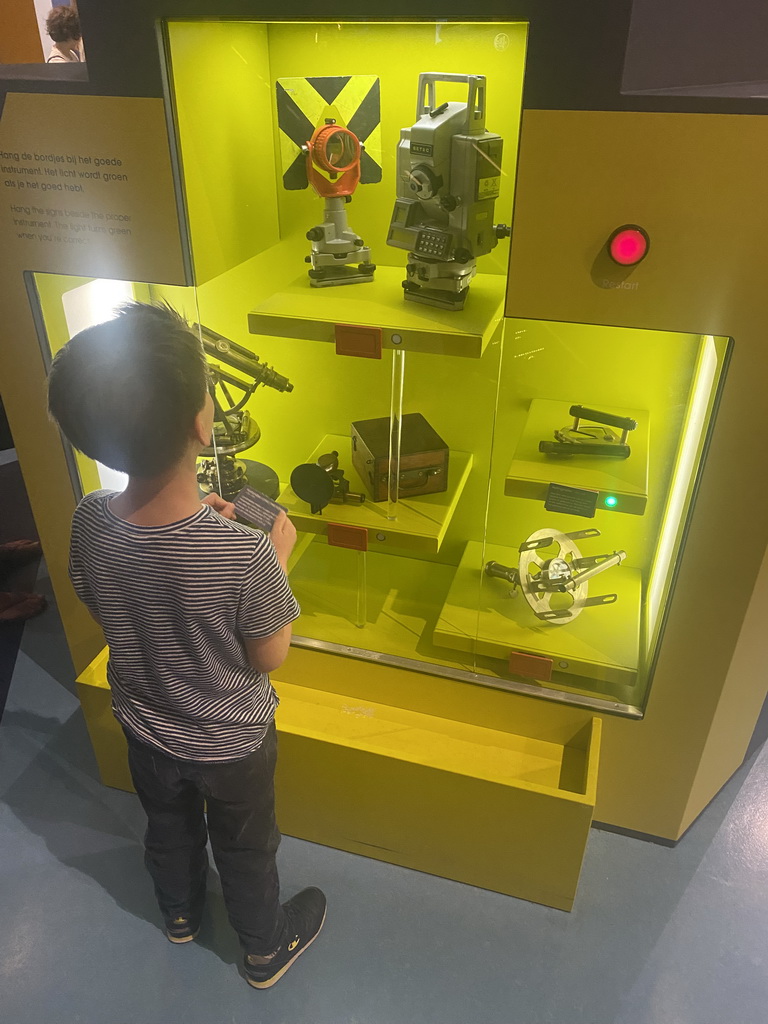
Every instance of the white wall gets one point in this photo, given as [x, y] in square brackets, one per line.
[41, 10]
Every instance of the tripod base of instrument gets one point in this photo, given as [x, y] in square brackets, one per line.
[236, 473]
[440, 283]
[327, 277]
[339, 255]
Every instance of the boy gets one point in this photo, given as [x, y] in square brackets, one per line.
[197, 611]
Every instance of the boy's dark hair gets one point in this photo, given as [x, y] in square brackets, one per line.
[126, 392]
[63, 24]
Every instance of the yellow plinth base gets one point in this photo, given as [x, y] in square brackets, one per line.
[503, 812]
[493, 809]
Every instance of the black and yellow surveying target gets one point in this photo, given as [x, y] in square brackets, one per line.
[353, 101]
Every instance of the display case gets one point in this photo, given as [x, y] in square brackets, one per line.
[497, 501]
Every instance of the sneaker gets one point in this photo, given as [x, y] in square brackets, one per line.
[305, 915]
[180, 929]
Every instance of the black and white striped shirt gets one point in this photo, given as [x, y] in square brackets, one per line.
[176, 603]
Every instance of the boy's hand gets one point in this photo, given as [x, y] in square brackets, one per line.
[283, 536]
[217, 503]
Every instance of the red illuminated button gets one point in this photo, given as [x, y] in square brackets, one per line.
[628, 245]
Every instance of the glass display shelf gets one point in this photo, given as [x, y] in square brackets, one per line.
[622, 484]
[419, 523]
[402, 599]
[298, 311]
[404, 608]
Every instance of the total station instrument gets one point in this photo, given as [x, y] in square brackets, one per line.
[448, 178]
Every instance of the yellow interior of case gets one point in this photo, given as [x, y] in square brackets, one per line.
[420, 593]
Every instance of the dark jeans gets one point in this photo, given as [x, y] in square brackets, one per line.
[238, 799]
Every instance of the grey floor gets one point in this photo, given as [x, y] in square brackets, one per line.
[669, 936]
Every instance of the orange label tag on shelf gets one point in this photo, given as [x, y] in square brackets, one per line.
[530, 666]
[363, 342]
[353, 537]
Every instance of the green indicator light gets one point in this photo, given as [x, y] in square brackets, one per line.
[611, 501]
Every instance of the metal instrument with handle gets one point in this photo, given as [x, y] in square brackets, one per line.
[475, 106]
[448, 179]
[553, 575]
[593, 438]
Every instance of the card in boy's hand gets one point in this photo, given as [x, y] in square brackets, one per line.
[257, 508]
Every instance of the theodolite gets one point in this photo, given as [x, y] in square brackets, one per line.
[448, 178]
[234, 429]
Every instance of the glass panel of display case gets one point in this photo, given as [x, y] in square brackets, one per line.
[599, 436]
[542, 562]
[348, 191]
[497, 501]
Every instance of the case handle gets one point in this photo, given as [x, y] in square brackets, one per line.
[475, 96]
[416, 477]
[579, 412]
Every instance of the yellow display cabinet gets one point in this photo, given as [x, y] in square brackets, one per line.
[466, 645]
[413, 579]
[492, 389]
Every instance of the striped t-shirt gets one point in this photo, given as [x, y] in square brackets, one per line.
[176, 603]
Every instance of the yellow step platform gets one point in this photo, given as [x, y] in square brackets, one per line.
[485, 807]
